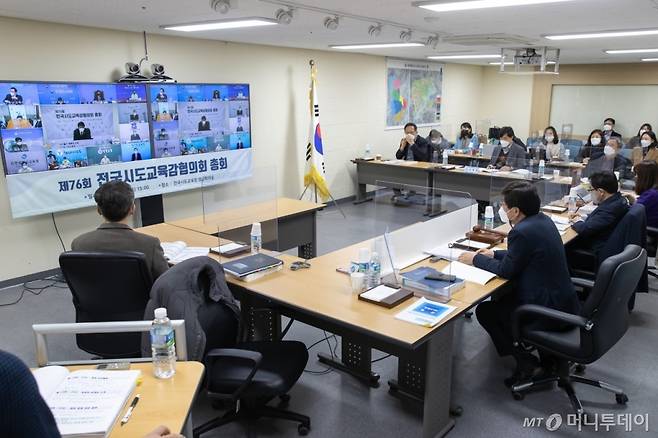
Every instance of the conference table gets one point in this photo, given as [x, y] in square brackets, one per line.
[322, 297]
[436, 179]
[167, 402]
[286, 223]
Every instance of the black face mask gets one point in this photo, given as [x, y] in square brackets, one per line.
[466, 133]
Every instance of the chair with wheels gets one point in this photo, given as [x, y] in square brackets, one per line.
[586, 337]
[108, 286]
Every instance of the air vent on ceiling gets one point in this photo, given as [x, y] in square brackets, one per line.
[496, 40]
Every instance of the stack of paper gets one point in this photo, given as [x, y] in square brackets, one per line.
[85, 403]
[469, 273]
[445, 252]
[561, 223]
[177, 252]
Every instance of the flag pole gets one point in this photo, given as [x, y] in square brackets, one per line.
[314, 195]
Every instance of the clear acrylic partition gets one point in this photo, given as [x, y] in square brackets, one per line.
[413, 222]
[230, 209]
[481, 127]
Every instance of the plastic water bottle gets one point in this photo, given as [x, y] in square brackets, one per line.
[489, 217]
[572, 201]
[368, 151]
[256, 238]
[445, 157]
[373, 275]
[567, 152]
[542, 168]
[163, 345]
[435, 156]
[410, 154]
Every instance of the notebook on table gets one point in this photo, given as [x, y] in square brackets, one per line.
[246, 268]
[176, 252]
[85, 403]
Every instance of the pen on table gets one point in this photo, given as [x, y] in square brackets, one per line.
[129, 412]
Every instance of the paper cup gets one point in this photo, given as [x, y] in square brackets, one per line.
[556, 174]
[358, 280]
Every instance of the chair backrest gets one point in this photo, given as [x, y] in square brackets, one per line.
[607, 303]
[108, 286]
[631, 230]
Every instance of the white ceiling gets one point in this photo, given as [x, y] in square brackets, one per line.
[307, 30]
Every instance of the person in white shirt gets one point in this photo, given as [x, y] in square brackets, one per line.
[25, 168]
[105, 160]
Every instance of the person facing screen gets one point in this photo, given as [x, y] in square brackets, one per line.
[13, 98]
[82, 133]
[115, 202]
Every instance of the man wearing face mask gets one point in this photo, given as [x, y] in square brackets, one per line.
[594, 231]
[533, 244]
[411, 141]
[609, 129]
[82, 133]
[611, 161]
[508, 155]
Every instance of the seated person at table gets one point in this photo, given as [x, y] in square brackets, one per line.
[593, 148]
[646, 180]
[25, 413]
[508, 155]
[609, 129]
[533, 244]
[413, 142]
[647, 148]
[635, 141]
[611, 161]
[116, 203]
[437, 143]
[467, 139]
[551, 141]
[595, 230]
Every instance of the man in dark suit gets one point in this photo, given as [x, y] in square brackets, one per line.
[594, 231]
[509, 154]
[161, 96]
[82, 133]
[419, 147]
[609, 129]
[204, 124]
[136, 156]
[536, 262]
[116, 203]
[134, 117]
[99, 96]
[13, 98]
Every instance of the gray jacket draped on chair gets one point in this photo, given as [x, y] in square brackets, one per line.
[182, 290]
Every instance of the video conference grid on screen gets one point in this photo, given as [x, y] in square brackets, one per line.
[53, 126]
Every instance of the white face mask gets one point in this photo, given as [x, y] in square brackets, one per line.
[436, 140]
[81, 129]
[595, 141]
[607, 127]
[505, 144]
[609, 151]
[596, 200]
[645, 143]
[503, 215]
[550, 138]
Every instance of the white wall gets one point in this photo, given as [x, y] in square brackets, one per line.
[506, 100]
[352, 93]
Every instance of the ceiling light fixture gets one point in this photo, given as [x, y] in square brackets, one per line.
[474, 56]
[221, 6]
[284, 16]
[375, 30]
[332, 23]
[606, 34]
[220, 24]
[626, 51]
[405, 35]
[650, 60]
[451, 6]
[511, 63]
[375, 46]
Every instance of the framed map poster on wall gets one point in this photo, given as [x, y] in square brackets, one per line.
[413, 92]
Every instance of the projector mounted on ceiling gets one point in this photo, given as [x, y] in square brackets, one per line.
[530, 60]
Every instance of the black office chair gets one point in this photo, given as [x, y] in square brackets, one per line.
[249, 375]
[108, 286]
[588, 336]
[652, 248]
